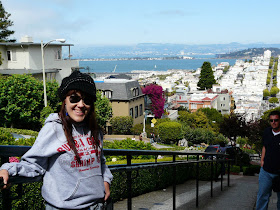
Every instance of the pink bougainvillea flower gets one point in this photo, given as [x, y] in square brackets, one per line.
[156, 95]
[13, 159]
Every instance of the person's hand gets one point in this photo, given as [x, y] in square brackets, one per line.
[107, 190]
[262, 162]
[4, 174]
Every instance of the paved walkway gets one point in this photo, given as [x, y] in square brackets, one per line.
[241, 195]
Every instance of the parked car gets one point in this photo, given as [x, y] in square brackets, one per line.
[211, 149]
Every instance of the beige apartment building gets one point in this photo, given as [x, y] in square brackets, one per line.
[125, 96]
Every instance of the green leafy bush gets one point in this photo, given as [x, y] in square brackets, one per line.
[235, 169]
[170, 131]
[103, 109]
[31, 196]
[205, 171]
[128, 144]
[46, 111]
[21, 131]
[122, 124]
[6, 138]
[138, 129]
[273, 100]
[251, 170]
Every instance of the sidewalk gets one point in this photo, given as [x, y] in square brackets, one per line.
[241, 195]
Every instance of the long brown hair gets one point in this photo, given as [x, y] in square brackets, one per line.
[90, 121]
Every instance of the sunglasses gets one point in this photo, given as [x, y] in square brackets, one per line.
[274, 120]
[75, 99]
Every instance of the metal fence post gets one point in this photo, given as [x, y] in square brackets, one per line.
[174, 183]
[222, 171]
[129, 183]
[6, 194]
[197, 179]
[228, 171]
[211, 176]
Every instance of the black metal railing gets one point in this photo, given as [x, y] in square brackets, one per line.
[8, 151]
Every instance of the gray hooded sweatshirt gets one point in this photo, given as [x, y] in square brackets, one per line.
[67, 183]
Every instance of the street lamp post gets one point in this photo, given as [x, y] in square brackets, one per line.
[43, 65]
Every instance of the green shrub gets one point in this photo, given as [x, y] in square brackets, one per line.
[205, 171]
[170, 131]
[31, 196]
[21, 131]
[235, 169]
[273, 100]
[122, 124]
[138, 129]
[128, 144]
[251, 170]
[6, 138]
[46, 111]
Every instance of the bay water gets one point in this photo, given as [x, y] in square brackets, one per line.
[122, 66]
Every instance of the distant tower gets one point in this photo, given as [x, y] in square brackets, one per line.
[267, 54]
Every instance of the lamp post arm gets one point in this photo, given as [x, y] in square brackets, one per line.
[43, 66]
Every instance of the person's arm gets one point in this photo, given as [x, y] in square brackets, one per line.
[5, 175]
[107, 190]
[262, 157]
[35, 161]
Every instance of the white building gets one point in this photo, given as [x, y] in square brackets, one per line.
[267, 54]
[25, 57]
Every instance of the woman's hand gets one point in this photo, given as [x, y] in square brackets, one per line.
[4, 174]
[107, 190]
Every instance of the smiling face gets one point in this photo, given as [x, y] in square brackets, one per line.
[77, 106]
[275, 122]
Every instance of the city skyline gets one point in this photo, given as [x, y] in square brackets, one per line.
[129, 22]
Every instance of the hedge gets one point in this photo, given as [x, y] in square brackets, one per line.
[143, 181]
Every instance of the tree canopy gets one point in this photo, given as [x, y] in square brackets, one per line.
[206, 78]
[5, 23]
[103, 109]
[233, 126]
[21, 100]
[266, 93]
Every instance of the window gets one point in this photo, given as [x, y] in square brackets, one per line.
[108, 93]
[141, 109]
[193, 106]
[11, 55]
[131, 112]
[136, 111]
[135, 92]
[58, 55]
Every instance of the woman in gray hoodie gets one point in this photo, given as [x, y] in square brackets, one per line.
[68, 151]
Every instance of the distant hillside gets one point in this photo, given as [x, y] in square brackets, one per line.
[159, 50]
[249, 53]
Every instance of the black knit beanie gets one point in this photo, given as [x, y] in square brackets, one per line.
[77, 81]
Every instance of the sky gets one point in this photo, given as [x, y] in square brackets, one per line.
[129, 22]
